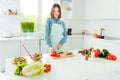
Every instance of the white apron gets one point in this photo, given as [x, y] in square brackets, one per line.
[56, 35]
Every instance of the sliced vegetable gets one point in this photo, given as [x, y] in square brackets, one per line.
[55, 55]
[69, 53]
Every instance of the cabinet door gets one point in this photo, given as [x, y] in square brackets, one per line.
[100, 9]
[76, 43]
[8, 49]
[31, 45]
[66, 46]
[118, 9]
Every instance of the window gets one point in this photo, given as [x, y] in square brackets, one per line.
[29, 15]
[46, 8]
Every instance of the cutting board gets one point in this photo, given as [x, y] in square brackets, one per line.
[63, 56]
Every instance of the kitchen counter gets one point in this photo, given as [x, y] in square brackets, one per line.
[74, 68]
[21, 38]
[107, 39]
[32, 37]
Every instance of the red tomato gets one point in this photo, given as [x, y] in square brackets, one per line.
[46, 70]
[114, 57]
[49, 65]
[97, 54]
[91, 48]
[109, 57]
[55, 55]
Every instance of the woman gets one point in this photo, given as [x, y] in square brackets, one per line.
[55, 33]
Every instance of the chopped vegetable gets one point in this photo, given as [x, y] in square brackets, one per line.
[19, 60]
[69, 53]
[37, 57]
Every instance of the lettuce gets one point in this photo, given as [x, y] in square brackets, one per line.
[33, 69]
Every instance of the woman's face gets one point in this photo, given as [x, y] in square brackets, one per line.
[56, 12]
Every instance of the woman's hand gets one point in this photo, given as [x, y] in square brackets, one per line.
[52, 50]
[59, 46]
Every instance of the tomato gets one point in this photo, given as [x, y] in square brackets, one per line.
[55, 54]
[114, 57]
[97, 54]
[91, 48]
[49, 65]
[47, 68]
[109, 57]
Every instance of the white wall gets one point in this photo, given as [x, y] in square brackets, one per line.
[112, 26]
[10, 23]
[77, 21]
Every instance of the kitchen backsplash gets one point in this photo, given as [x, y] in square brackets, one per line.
[112, 27]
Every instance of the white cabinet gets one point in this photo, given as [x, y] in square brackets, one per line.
[100, 9]
[76, 42]
[31, 45]
[8, 49]
[117, 9]
[67, 45]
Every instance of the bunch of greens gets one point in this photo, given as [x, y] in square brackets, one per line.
[19, 68]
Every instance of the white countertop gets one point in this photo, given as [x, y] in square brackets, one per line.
[116, 41]
[31, 37]
[74, 68]
[21, 38]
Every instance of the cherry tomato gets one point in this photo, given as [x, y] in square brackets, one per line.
[97, 54]
[109, 57]
[49, 65]
[46, 70]
[114, 57]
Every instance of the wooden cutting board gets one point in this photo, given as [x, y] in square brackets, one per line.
[63, 56]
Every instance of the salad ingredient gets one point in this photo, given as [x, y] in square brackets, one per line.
[55, 54]
[37, 56]
[60, 52]
[69, 53]
[19, 68]
[98, 53]
[114, 57]
[19, 60]
[109, 57]
[47, 68]
[33, 69]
